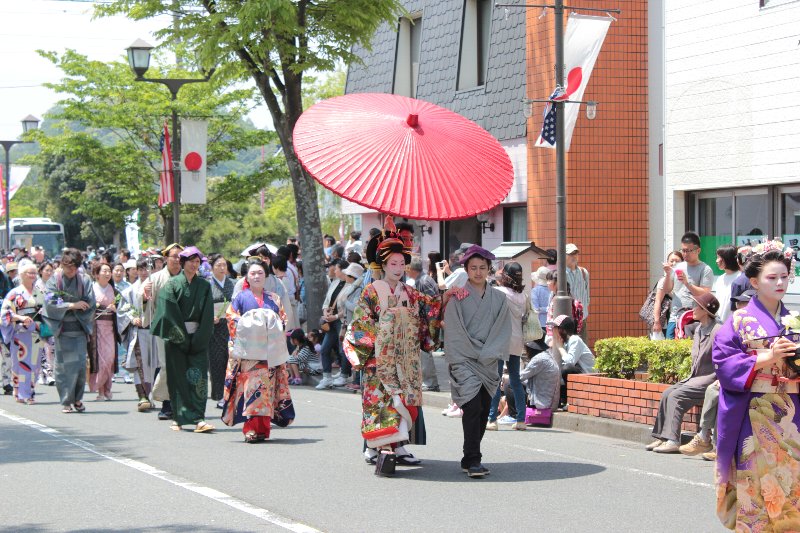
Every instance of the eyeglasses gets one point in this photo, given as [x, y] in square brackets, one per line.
[689, 250]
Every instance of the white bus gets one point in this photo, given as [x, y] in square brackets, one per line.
[29, 232]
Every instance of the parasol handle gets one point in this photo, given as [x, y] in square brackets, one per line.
[412, 120]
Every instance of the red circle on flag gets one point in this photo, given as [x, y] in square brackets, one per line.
[193, 161]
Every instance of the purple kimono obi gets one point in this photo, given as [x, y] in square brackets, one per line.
[734, 361]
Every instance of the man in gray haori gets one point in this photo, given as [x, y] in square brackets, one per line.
[477, 333]
[68, 311]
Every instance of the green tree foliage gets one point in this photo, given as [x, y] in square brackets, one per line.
[107, 130]
[274, 43]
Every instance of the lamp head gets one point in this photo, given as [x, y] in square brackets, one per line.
[139, 57]
[30, 123]
[591, 109]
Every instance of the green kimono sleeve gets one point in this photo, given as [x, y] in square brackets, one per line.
[205, 328]
[168, 320]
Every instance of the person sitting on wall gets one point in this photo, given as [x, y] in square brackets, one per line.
[568, 348]
[691, 391]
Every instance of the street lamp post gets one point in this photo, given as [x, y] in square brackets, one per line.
[562, 302]
[139, 61]
[28, 123]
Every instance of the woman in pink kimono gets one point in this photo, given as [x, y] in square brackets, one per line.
[104, 339]
[388, 329]
[758, 442]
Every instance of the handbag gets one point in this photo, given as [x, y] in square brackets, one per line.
[648, 308]
[302, 312]
[531, 328]
[534, 416]
[324, 325]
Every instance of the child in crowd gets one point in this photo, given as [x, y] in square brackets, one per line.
[315, 337]
[304, 358]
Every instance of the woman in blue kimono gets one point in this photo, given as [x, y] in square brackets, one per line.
[758, 443]
[21, 332]
[256, 391]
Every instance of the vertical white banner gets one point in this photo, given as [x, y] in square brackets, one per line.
[584, 38]
[194, 140]
[132, 233]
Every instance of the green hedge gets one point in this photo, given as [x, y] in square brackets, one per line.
[667, 361]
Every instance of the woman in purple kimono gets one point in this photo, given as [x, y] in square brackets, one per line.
[758, 455]
[21, 332]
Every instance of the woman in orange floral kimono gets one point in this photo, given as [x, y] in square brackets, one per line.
[388, 329]
[758, 443]
[256, 392]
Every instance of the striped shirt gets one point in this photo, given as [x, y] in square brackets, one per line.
[578, 280]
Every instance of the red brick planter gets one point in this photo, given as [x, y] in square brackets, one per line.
[621, 399]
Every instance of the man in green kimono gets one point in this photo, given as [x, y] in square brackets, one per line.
[185, 320]
[69, 311]
[148, 291]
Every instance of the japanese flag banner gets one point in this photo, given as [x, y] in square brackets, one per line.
[194, 138]
[584, 38]
[18, 175]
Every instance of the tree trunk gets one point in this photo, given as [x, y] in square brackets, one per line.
[310, 234]
[168, 231]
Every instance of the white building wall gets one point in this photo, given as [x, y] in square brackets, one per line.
[732, 107]
[655, 93]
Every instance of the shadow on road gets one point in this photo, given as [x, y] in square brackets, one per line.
[450, 471]
[20, 444]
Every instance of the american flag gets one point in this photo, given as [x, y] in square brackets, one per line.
[548, 135]
[166, 192]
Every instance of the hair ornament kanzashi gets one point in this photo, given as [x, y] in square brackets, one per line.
[776, 245]
[387, 242]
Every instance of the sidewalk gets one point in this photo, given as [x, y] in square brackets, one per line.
[606, 427]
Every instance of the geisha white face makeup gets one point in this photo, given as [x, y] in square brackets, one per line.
[394, 268]
[772, 282]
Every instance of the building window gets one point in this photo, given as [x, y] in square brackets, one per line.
[515, 224]
[476, 28]
[406, 61]
[731, 217]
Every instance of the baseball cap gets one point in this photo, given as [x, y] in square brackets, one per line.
[744, 297]
[571, 249]
[708, 302]
[559, 320]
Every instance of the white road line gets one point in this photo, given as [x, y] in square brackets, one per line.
[208, 492]
[632, 470]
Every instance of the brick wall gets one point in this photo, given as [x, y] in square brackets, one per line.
[607, 169]
[621, 399]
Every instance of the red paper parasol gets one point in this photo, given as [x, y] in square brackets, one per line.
[403, 157]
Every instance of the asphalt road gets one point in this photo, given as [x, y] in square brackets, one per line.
[113, 469]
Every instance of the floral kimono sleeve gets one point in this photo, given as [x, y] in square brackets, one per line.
[734, 366]
[430, 320]
[359, 341]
